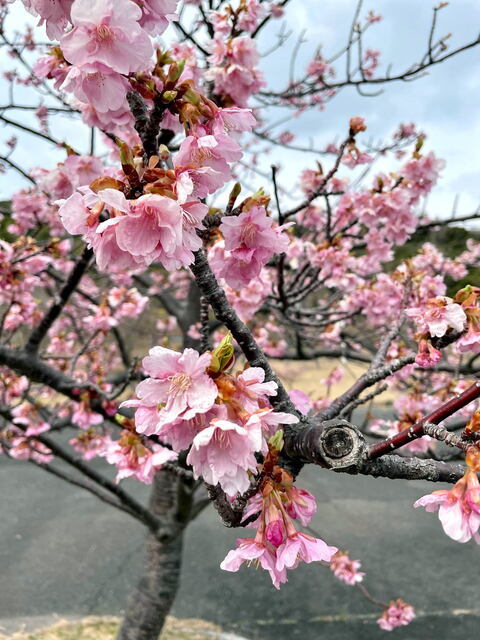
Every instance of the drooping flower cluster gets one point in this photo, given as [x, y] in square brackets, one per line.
[278, 545]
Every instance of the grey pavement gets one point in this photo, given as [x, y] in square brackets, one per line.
[62, 552]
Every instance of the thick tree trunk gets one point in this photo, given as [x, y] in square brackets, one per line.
[171, 501]
[153, 597]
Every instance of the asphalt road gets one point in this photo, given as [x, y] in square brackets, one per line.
[63, 552]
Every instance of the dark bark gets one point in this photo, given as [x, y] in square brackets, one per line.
[171, 502]
[150, 602]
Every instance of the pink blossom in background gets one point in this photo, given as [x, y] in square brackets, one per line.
[276, 10]
[132, 458]
[233, 66]
[397, 614]
[28, 416]
[301, 400]
[250, 17]
[346, 569]
[101, 319]
[83, 416]
[252, 241]
[427, 355]
[22, 448]
[422, 174]
[90, 444]
[157, 15]
[470, 341]
[249, 298]
[127, 303]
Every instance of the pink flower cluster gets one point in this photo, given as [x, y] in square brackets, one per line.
[133, 458]
[152, 228]
[155, 227]
[21, 447]
[442, 315]
[438, 316]
[224, 419]
[202, 162]
[277, 545]
[110, 39]
[233, 68]
[250, 241]
[397, 614]
[346, 569]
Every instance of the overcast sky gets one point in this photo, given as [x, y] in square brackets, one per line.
[443, 103]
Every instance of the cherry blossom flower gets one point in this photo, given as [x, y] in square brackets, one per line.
[178, 387]
[252, 241]
[151, 229]
[55, 15]
[301, 504]
[97, 85]
[302, 547]
[231, 119]
[439, 315]
[427, 355]
[108, 33]
[251, 390]
[248, 550]
[90, 444]
[132, 458]
[301, 401]
[270, 420]
[223, 454]
[346, 569]
[397, 614]
[157, 15]
[250, 16]
[459, 520]
[205, 157]
[23, 448]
